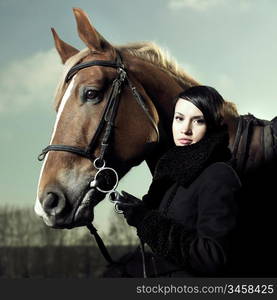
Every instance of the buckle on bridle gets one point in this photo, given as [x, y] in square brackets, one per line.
[97, 160]
[122, 73]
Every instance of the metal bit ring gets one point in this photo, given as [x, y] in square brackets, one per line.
[117, 210]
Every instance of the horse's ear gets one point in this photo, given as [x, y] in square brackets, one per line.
[88, 33]
[65, 50]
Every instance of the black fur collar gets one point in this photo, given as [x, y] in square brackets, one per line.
[184, 164]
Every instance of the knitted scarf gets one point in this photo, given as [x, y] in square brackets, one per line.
[183, 164]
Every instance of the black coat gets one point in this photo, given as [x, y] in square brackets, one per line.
[201, 221]
[191, 232]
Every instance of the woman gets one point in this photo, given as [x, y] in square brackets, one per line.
[190, 212]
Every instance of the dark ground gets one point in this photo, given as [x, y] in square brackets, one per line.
[55, 261]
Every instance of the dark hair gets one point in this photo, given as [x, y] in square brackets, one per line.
[208, 100]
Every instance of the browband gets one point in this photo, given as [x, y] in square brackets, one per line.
[103, 63]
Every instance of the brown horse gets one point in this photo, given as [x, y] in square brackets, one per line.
[65, 198]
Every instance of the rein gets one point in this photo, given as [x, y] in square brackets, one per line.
[107, 124]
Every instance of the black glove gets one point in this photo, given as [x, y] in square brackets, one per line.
[133, 208]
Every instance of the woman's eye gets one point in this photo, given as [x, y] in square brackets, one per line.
[177, 118]
[200, 121]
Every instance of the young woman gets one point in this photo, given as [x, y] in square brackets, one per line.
[190, 212]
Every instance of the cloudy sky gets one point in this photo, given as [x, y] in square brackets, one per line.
[228, 44]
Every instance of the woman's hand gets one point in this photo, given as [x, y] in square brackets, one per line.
[133, 208]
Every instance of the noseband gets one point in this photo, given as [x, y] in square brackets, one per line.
[108, 117]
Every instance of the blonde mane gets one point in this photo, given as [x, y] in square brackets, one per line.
[147, 51]
[150, 52]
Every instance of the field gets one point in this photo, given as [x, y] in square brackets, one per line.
[29, 249]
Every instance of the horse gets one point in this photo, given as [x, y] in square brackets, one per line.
[114, 108]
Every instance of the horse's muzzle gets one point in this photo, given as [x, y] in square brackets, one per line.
[58, 211]
[84, 213]
[54, 203]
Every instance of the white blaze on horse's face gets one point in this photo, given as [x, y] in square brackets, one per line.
[61, 107]
[38, 207]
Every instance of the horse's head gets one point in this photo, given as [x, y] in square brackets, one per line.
[94, 103]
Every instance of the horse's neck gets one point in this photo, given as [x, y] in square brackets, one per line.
[161, 87]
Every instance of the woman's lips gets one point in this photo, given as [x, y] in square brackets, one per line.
[185, 141]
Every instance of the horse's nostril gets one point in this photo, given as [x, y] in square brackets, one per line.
[53, 203]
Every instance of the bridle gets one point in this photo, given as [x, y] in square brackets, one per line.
[109, 113]
[107, 124]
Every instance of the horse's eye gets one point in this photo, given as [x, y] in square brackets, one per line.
[92, 95]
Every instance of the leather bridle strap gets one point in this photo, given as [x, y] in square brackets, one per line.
[72, 149]
[107, 118]
[100, 244]
[109, 113]
[141, 103]
[103, 63]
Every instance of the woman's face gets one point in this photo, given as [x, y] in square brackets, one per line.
[189, 125]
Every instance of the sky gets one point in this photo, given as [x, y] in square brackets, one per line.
[230, 45]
